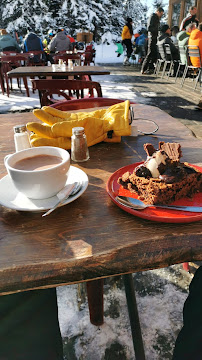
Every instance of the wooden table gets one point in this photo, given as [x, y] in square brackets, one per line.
[92, 238]
[48, 71]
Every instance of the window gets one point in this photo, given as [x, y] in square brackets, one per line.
[176, 14]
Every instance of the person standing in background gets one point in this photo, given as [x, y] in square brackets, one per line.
[126, 35]
[190, 18]
[153, 28]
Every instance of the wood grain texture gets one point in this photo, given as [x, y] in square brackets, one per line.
[92, 238]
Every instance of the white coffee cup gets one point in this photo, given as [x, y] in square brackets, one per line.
[39, 184]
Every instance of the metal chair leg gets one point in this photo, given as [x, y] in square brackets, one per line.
[184, 76]
[178, 69]
[164, 69]
[157, 64]
[134, 317]
[170, 69]
[159, 67]
[198, 78]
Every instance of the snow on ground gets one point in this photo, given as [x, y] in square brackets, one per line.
[18, 101]
[160, 299]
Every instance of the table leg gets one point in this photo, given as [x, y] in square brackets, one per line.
[2, 83]
[134, 317]
[26, 85]
[95, 301]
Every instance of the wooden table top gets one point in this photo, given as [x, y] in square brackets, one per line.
[48, 71]
[92, 237]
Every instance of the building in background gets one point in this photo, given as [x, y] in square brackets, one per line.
[178, 9]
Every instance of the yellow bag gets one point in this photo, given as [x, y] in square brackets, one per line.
[100, 125]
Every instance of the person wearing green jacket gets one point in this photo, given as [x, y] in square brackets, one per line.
[183, 37]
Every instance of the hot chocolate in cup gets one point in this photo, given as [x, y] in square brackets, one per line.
[39, 172]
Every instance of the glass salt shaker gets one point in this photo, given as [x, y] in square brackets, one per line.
[21, 138]
[79, 147]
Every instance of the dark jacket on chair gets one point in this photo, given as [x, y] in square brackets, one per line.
[165, 39]
[32, 43]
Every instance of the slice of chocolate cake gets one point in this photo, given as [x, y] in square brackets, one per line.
[162, 179]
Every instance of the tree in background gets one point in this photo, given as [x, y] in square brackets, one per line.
[25, 16]
[160, 3]
[101, 18]
[135, 10]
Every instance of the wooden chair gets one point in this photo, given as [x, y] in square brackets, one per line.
[36, 58]
[193, 51]
[75, 89]
[89, 55]
[76, 58]
[9, 62]
[2, 80]
[9, 52]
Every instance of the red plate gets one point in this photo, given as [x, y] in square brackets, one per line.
[154, 214]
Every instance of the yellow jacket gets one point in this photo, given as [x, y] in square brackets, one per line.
[126, 33]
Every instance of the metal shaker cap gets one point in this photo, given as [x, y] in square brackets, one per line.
[78, 131]
[19, 128]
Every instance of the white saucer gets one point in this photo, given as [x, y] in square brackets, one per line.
[11, 198]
